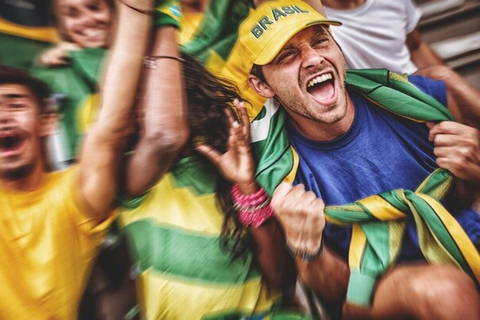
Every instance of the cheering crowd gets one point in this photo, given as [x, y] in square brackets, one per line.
[255, 159]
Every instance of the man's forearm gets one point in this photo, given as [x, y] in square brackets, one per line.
[277, 266]
[123, 69]
[165, 127]
[327, 275]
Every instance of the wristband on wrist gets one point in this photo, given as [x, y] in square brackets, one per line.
[147, 12]
[304, 255]
[151, 61]
[253, 209]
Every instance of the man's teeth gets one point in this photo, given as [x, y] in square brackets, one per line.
[91, 32]
[319, 79]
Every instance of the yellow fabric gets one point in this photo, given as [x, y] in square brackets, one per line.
[47, 34]
[381, 209]
[359, 239]
[462, 240]
[47, 245]
[202, 299]
[264, 32]
[232, 69]
[163, 295]
[190, 24]
[88, 112]
[198, 213]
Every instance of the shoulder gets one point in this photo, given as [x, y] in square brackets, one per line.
[435, 88]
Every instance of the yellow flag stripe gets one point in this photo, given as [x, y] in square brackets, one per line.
[202, 299]
[357, 247]
[381, 209]
[463, 242]
[47, 34]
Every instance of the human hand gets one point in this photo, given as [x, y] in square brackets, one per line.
[457, 149]
[236, 165]
[301, 215]
[58, 56]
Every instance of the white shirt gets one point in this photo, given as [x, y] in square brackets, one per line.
[374, 34]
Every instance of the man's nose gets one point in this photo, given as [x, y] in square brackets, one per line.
[86, 19]
[5, 115]
[310, 57]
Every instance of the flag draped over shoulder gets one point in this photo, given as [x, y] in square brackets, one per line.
[377, 221]
[218, 32]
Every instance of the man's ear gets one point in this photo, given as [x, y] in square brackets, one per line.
[48, 124]
[260, 87]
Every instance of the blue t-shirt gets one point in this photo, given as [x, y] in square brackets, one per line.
[381, 151]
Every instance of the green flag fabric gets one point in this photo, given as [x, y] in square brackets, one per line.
[76, 85]
[377, 221]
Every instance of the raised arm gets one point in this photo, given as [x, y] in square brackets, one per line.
[103, 148]
[165, 128]
[302, 218]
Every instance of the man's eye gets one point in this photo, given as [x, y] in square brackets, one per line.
[16, 106]
[320, 42]
[71, 13]
[94, 7]
[285, 56]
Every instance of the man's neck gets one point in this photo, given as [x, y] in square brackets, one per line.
[343, 4]
[25, 184]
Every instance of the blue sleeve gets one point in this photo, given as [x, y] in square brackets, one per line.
[434, 88]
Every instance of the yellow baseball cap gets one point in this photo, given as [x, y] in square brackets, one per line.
[267, 29]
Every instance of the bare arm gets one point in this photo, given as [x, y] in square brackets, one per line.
[165, 128]
[103, 149]
[301, 216]
[421, 54]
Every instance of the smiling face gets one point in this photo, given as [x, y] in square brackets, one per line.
[85, 22]
[20, 132]
[308, 78]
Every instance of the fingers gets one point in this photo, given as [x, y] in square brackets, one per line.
[210, 153]
[300, 213]
[446, 127]
[457, 149]
[243, 115]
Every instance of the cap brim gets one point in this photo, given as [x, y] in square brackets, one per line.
[276, 43]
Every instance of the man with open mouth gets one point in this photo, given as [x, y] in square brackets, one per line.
[51, 223]
[380, 179]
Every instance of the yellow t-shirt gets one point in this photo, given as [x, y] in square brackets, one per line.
[48, 242]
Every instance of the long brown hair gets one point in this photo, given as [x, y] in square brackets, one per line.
[208, 97]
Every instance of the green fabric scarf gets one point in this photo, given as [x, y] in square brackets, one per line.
[377, 221]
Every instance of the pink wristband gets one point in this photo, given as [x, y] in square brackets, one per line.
[253, 209]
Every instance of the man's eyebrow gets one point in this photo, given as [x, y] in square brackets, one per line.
[14, 96]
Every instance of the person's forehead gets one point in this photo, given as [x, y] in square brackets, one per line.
[73, 3]
[308, 33]
[15, 90]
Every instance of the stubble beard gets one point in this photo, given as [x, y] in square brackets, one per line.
[17, 173]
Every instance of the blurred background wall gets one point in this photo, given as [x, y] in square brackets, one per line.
[452, 28]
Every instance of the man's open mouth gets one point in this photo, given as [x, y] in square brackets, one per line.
[322, 88]
[11, 143]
